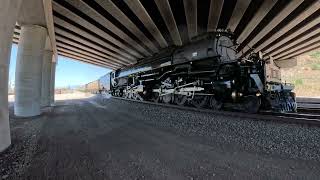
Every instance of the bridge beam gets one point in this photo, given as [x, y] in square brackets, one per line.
[306, 48]
[312, 24]
[63, 42]
[238, 12]
[145, 18]
[294, 42]
[167, 15]
[214, 14]
[105, 23]
[111, 8]
[115, 52]
[274, 22]
[79, 20]
[62, 47]
[306, 43]
[82, 58]
[190, 9]
[92, 46]
[98, 59]
[256, 19]
[312, 8]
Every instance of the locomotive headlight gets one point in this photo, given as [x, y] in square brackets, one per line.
[258, 94]
[234, 95]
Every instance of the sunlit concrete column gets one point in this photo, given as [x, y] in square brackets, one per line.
[46, 78]
[29, 70]
[52, 82]
[8, 16]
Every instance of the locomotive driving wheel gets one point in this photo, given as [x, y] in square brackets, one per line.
[167, 99]
[180, 99]
[251, 104]
[214, 103]
[199, 101]
[155, 97]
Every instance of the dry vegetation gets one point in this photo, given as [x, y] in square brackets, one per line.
[305, 76]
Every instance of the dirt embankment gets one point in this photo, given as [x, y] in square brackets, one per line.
[65, 96]
[305, 76]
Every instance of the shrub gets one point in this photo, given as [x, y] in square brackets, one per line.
[316, 55]
[298, 82]
[315, 66]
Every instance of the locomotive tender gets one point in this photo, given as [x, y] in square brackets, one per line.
[206, 73]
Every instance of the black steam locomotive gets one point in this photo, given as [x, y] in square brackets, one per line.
[206, 74]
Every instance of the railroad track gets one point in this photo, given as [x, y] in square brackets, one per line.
[308, 105]
[313, 110]
[295, 118]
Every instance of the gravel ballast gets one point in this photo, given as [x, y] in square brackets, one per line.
[287, 140]
[101, 138]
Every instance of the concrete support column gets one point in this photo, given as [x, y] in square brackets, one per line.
[8, 16]
[29, 70]
[52, 82]
[46, 78]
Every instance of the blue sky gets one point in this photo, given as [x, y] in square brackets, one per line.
[69, 72]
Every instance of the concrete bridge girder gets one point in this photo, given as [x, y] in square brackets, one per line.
[314, 7]
[190, 8]
[239, 10]
[111, 8]
[274, 22]
[257, 18]
[69, 49]
[289, 45]
[116, 52]
[313, 40]
[314, 23]
[77, 19]
[306, 48]
[167, 15]
[145, 18]
[134, 18]
[63, 42]
[96, 16]
[117, 59]
[214, 14]
[85, 59]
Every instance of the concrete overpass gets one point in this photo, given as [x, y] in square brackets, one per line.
[118, 33]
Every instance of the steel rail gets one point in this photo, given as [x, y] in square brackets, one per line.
[301, 119]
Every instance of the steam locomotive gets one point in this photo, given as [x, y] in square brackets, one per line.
[206, 73]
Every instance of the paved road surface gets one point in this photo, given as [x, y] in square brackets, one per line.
[116, 139]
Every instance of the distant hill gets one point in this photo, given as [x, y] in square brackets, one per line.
[305, 76]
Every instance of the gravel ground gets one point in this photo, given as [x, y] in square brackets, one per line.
[288, 140]
[116, 139]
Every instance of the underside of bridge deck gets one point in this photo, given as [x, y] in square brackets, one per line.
[114, 34]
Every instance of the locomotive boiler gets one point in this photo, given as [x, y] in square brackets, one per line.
[206, 73]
